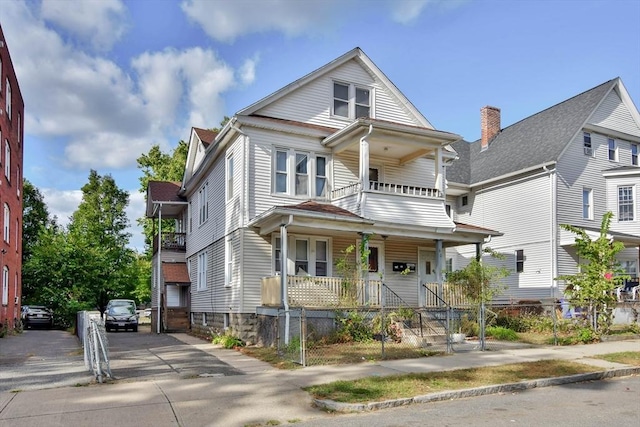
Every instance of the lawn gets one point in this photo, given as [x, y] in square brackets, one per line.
[372, 389]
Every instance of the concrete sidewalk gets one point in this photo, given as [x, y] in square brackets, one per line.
[263, 394]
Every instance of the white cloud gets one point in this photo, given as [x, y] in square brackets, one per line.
[247, 72]
[225, 21]
[101, 23]
[61, 203]
[100, 114]
[408, 11]
[135, 210]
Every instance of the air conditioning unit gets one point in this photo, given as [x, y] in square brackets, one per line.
[588, 151]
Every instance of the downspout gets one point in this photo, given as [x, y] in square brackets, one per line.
[159, 292]
[284, 259]
[364, 169]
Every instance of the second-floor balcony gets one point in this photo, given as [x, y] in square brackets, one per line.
[170, 241]
[387, 187]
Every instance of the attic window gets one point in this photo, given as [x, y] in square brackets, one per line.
[586, 142]
[351, 101]
[464, 200]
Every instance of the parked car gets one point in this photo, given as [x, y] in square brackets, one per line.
[36, 315]
[121, 314]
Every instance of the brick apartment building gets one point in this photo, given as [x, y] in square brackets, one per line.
[11, 155]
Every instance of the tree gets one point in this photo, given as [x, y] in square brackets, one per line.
[35, 217]
[101, 263]
[593, 286]
[479, 281]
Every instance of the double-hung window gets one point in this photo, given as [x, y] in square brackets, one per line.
[8, 100]
[613, 149]
[519, 260]
[202, 271]
[302, 256]
[203, 204]
[587, 203]
[625, 203]
[230, 177]
[7, 160]
[310, 255]
[351, 101]
[586, 143]
[5, 285]
[7, 221]
[300, 174]
[634, 154]
[228, 274]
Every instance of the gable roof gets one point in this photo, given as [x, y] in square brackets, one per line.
[175, 272]
[534, 141]
[163, 192]
[364, 61]
[206, 136]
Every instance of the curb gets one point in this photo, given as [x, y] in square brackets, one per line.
[332, 405]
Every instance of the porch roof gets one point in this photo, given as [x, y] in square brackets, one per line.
[567, 238]
[175, 272]
[165, 193]
[406, 142]
[322, 215]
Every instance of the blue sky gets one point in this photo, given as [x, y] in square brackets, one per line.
[104, 80]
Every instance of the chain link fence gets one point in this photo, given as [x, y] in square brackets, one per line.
[355, 334]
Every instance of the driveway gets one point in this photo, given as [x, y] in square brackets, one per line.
[38, 359]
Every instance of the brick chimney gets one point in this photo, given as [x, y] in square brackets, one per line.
[489, 124]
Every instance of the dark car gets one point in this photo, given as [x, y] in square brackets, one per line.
[121, 314]
[37, 315]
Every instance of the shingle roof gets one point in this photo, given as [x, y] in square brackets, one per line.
[164, 191]
[206, 136]
[533, 141]
[175, 272]
[313, 206]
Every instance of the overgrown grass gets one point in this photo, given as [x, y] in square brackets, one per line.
[625, 357]
[373, 389]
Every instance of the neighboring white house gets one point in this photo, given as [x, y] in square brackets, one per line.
[339, 157]
[568, 164]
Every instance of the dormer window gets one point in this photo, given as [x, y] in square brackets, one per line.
[351, 101]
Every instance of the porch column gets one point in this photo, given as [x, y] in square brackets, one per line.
[478, 251]
[439, 164]
[364, 261]
[364, 160]
[159, 271]
[439, 268]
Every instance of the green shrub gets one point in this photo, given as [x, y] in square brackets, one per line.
[227, 340]
[469, 327]
[353, 327]
[501, 333]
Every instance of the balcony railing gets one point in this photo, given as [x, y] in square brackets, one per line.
[171, 241]
[452, 295]
[388, 187]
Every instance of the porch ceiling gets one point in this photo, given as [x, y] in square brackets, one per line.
[387, 139]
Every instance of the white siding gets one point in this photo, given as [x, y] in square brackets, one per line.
[311, 102]
[613, 114]
[404, 209]
[256, 263]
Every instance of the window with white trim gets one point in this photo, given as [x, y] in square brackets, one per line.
[5, 285]
[625, 203]
[309, 177]
[230, 177]
[228, 257]
[613, 149]
[202, 271]
[302, 174]
[321, 176]
[7, 221]
[8, 100]
[630, 267]
[351, 101]
[203, 203]
[587, 203]
[586, 143]
[7, 160]
[311, 255]
[520, 260]
[634, 154]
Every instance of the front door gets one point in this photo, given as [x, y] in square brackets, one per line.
[426, 271]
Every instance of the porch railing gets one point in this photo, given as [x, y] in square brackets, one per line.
[387, 187]
[171, 241]
[453, 295]
[316, 291]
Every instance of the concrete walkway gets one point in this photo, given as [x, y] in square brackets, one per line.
[261, 396]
